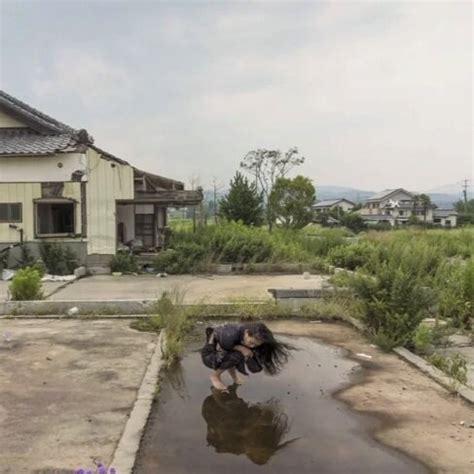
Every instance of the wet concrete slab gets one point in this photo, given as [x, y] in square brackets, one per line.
[283, 424]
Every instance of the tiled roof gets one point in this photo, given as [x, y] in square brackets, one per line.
[327, 203]
[28, 112]
[384, 194]
[42, 135]
[444, 212]
[24, 141]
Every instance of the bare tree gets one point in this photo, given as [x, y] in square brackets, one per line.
[216, 187]
[194, 183]
[267, 166]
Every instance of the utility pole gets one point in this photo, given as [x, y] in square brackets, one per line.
[216, 186]
[194, 182]
[464, 191]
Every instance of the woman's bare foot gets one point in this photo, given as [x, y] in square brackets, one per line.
[236, 377]
[217, 383]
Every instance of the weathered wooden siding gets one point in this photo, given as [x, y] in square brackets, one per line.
[107, 182]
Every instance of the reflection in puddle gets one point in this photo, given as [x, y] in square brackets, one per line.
[285, 424]
[238, 427]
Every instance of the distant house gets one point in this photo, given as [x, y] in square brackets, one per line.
[397, 206]
[445, 217]
[323, 207]
[56, 185]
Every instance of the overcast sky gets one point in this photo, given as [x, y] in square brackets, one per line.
[374, 94]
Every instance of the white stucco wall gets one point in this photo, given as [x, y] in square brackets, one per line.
[37, 169]
[345, 206]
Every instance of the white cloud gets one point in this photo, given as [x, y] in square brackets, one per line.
[84, 75]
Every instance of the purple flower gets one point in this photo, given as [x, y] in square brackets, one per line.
[79, 471]
[112, 470]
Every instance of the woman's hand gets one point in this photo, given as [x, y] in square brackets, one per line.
[245, 351]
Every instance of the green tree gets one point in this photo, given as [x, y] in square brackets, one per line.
[291, 201]
[267, 166]
[465, 210]
[464, 207]
[353, 222]
[423, 201]
[243, 202]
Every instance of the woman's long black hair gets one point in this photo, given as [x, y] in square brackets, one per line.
[272, 354]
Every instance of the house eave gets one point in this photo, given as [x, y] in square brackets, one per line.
[169, 198]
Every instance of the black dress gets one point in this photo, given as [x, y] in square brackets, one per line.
[224, 357]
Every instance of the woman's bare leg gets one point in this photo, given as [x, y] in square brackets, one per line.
[216, 380]
[235, 376]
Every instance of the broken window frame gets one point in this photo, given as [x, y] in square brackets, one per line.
[10, 219]
[60, 201]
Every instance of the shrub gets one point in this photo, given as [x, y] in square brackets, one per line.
[40, 267]
[351, 256]
[455, 281]
[58, 260]
[26, 285]
[423, 339]
[4, 255]
[123, 262]
[183, 258]
[26, 258]
[165, 261]
[353, 222]
[453, 365]
[393, 303]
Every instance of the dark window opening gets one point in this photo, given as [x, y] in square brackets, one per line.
[57, 218]
[10, 212]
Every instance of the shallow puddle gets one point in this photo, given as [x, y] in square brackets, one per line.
[287, 424]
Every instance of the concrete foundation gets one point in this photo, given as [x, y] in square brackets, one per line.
[79, 248]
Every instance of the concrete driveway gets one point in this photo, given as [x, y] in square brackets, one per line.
[190, 288]
[66, 390]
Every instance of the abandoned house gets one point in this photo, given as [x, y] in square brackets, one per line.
[57, 185]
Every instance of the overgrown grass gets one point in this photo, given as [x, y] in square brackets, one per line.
[235, 243]
[178, 320]
[403, 276]
[400, 276]
[454, 365]
[173, 319]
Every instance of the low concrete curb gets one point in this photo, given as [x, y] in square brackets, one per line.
[452, 385]
[129, 444]
[34, 308]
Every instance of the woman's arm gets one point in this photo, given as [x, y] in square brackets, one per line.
[245, 351]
